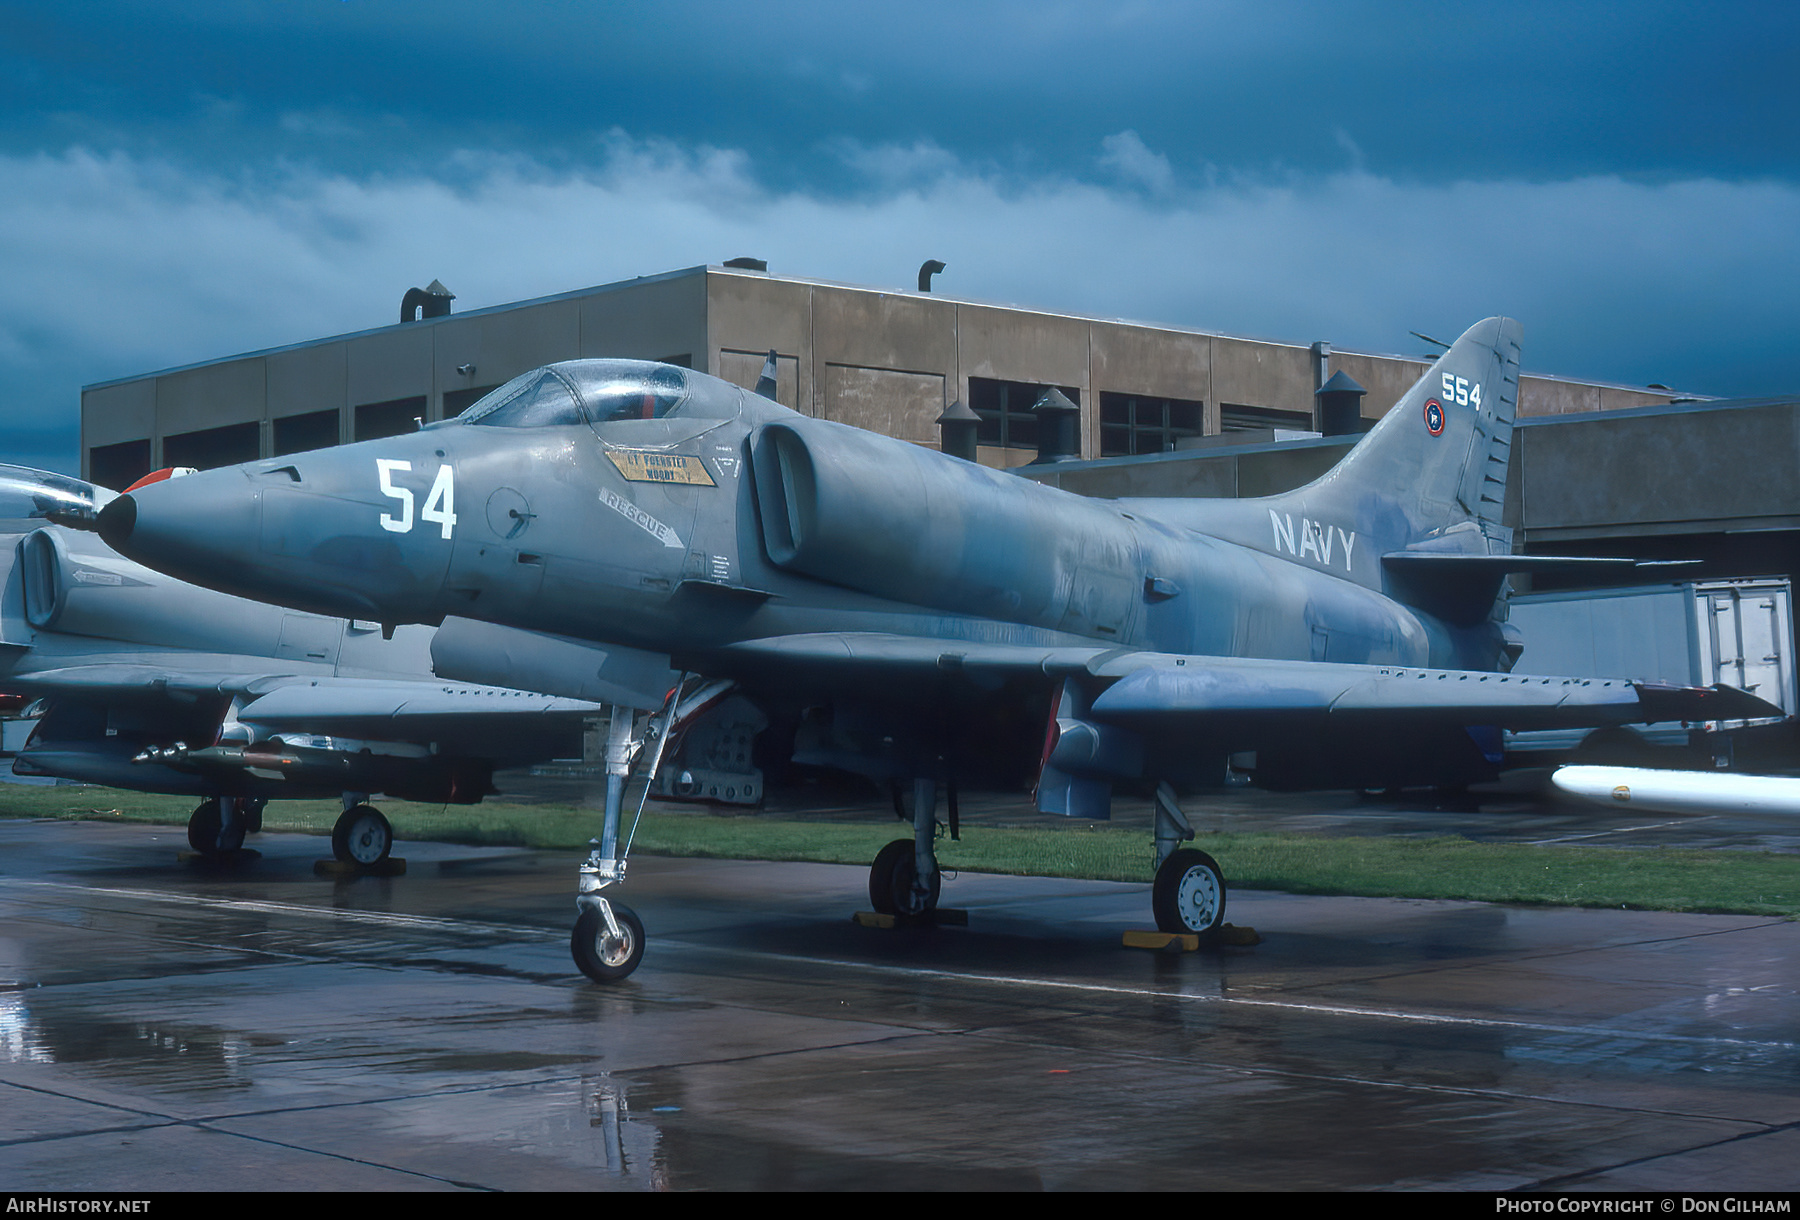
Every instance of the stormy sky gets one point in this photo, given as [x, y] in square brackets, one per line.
[181, 182]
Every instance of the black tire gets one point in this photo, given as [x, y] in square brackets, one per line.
[891, 882]
[205, 830]
[1189, 894]
[600, 956]
[362, 836]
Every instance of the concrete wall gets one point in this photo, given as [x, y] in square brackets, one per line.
[884, 360]
[1385, 378]
[1656, 472]
[1644, 474]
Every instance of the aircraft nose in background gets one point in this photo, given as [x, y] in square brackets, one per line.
[116, 522]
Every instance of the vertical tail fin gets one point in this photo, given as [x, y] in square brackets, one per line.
[1432, 473]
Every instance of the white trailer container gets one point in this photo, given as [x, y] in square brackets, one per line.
[1696, 633]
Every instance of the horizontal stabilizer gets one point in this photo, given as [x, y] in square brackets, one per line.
[1461, 588]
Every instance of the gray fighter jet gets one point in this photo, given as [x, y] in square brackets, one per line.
[153, 685]
[595, 528]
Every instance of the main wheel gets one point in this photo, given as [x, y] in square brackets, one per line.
[891, 881]
[362, 836]
[206, 826]
[603, 957]
[1189, 894]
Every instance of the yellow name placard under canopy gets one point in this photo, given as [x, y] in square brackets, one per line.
[645, 466]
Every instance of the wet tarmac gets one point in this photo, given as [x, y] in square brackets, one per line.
[167, 1028]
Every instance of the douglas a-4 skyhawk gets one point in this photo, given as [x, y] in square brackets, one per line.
[595, 529]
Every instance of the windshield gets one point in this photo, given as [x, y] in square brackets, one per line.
[27, 494]
[539, 399]
[582, 391]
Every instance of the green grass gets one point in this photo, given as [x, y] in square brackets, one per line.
[1735, 882]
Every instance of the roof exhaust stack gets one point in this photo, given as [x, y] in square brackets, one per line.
[958, 427]
[927, 269]
[1059, 428]
[1340, 406]
[432, 302]
[748, 264]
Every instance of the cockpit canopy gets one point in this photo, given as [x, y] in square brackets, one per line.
[39, 495]
[592, 392]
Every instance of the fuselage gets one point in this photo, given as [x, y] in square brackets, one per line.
[729, 518]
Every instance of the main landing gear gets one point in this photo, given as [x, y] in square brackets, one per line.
[362, 836]
[1189, 893]
[905, 880]
[218, 824]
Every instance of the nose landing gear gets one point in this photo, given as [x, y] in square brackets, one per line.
[608, 941]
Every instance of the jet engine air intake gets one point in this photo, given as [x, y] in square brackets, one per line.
[843, 505]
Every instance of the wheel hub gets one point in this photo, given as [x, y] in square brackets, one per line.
[1199, 897]
[615, 951]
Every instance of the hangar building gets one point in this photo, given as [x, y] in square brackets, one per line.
[887, 360]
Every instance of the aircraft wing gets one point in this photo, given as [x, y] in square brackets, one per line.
[1142, 690]
[464, 717]
[848, 657]
[1197, 688]
[126, 681]
[448, 713]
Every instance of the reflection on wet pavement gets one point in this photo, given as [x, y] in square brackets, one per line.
[161, 1029]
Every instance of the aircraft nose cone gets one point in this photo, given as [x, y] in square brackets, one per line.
[116, 521]
[189, 528]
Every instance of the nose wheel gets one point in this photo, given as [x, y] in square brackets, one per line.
[607, 953]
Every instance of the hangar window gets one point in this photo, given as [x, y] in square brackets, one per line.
[392, 418]
[119, 466]
[1236, 417]
[300, 433]
[214, 447]
[1005, 409]
[1135, 423]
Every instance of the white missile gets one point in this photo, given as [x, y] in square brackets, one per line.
[1680, 791]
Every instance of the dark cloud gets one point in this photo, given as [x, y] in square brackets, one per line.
[1433, 91]
[183, 184]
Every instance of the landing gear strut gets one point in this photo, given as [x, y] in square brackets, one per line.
[1189, 892]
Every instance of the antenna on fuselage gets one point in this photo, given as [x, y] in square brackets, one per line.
[765, 385]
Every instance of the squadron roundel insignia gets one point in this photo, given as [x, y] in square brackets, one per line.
[1434, 417]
